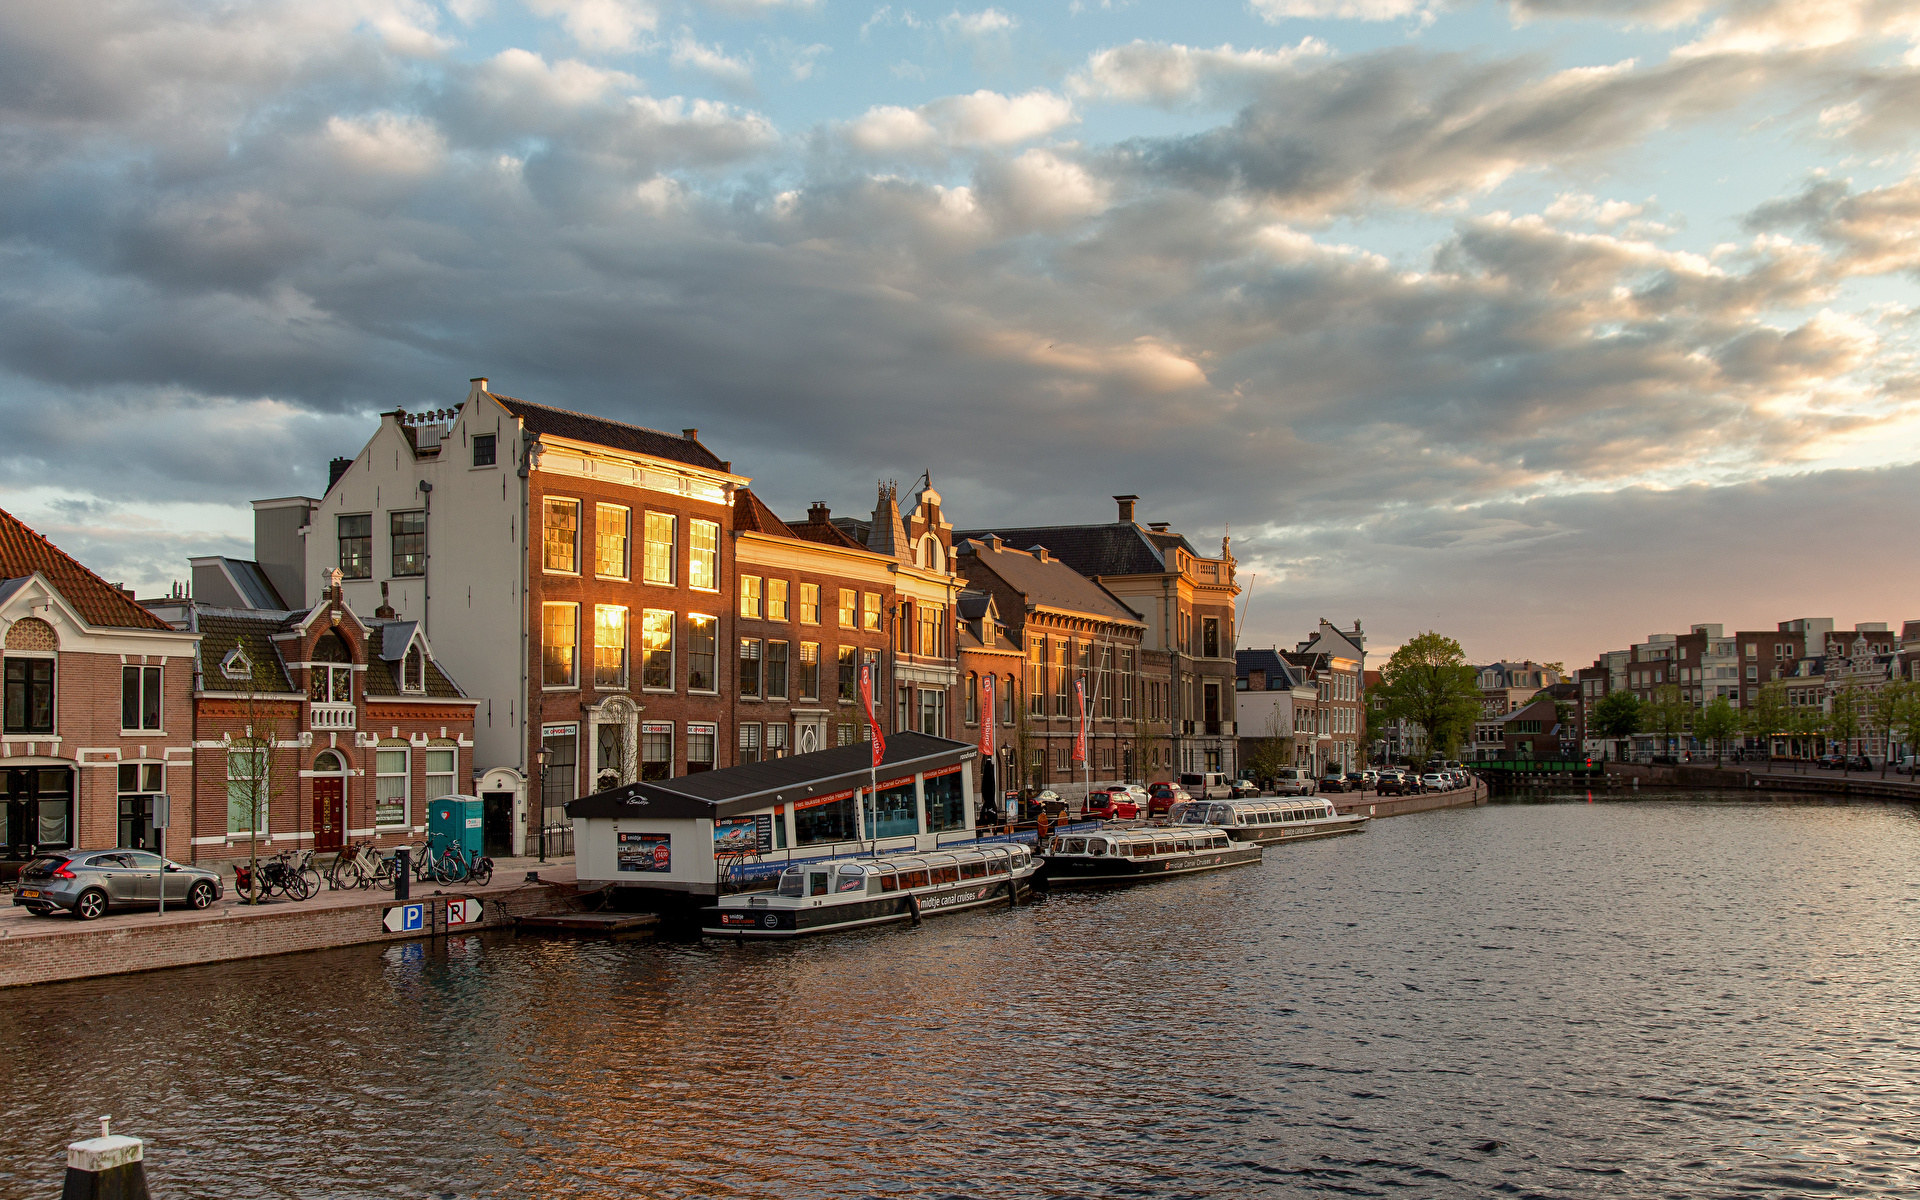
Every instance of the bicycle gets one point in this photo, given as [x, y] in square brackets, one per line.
[354, 867]
[453, 866]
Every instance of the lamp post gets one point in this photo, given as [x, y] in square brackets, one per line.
[543, 756]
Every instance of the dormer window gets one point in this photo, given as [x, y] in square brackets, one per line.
[236, 665]
[413, 670]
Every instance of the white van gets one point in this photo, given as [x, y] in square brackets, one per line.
[1209, 785]
[1293, 781]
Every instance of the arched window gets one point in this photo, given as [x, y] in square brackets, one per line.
[328, 763]
[930, 554]
[413, 670]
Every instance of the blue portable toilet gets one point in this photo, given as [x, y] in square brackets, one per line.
[455, 820]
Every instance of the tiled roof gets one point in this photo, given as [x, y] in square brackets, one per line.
[220, 633]
[1281, 675]
[380, 668]
[599, 431]
[827, 533]
[751, 515]
[1052, 584]
[1118, 549]
[22, 552]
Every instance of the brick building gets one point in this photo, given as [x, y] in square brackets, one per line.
[1332, 661]
[96, 708]
[992, 666]
[1274, 701]
[316, 727]
[1075, 633]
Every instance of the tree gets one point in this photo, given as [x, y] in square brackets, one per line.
[1270, 756]
[1617, 716]
[1768, 715]
[250, 763]
[1718, 721]
[1844, 723]
[1906, 717]
[1146, 737]
[1668, 715]
[1883, 712]
[1428, 682]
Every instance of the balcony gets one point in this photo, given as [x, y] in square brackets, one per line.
[330, 718]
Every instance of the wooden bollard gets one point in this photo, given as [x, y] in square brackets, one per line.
[108, 1167]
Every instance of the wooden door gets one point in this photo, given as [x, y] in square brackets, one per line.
[329, 813]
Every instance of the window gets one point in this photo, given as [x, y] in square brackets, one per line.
[1105, 691]
[703, 652]
[845, 735]
[1210, 637]
[809, 604]
[848, 691]
[356, 546]
[561, 774]
[609, 646]
[870, 610]
[443, 766]
[1126, 685]
[656, 751]
[139, 697]
[749, 666]
[656, 650]
[777, 600]
[560, 640]
[407, 534]
[659, 550]
[932, 621]
[833, 821]
[562, 538]
[1006, 701]
[390, 784]
[611, 526]
[973, 699]
[849, 608]
[776, 671]
[903, 707]
[247, 788]
[413, 670]
[1037, 676]
[1062, 676]
[777, 748]
[903, 628]
[933, 711]
[29, 695]
[328, 684]
[138, 784]
[703, 556]
[483, 450]
[750, 596]
[749, 742]
[809, 670]
[1753, 672]
[700, 746]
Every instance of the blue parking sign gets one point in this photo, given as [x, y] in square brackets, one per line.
[404, 918]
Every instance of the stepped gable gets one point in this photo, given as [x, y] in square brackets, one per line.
[617, 435]
[22, 552]
[1122, 548]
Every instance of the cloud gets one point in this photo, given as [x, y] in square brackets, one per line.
[1275, 11]
[714, 62]
[1173, 74]
[601, 24]
[988, 22]
[982, 118]
[1875, 232]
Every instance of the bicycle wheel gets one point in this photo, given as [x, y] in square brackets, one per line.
[309, 882]
[482, 873]
[452, 866]
[384, 873]
[297, 886]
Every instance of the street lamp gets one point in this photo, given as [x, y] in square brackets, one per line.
[543, 756]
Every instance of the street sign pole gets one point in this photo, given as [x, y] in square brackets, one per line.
[162, 814]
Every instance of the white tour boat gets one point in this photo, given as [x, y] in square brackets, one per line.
[844, 893]
[1287, 819]
[1139, 853]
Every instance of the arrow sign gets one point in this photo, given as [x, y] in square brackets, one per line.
[404, 918]
[463, 912]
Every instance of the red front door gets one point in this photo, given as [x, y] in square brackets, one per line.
[329, 813]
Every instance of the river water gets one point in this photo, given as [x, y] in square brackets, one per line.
[1687, 996]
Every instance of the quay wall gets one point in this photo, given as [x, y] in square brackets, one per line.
[1400, 806]
[234, 932]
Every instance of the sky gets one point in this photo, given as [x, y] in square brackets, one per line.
[1547, 324]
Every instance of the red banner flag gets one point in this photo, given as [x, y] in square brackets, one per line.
[987, 711]
[1080, 739]
[873, 723]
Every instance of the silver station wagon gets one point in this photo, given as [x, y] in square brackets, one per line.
[90, 883]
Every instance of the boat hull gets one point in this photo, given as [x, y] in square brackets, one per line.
[770, 922]
[1071, 871]
[1273, 835]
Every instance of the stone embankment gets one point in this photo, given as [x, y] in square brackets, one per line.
[1400, 806]
[1766, 777]
[42, 949]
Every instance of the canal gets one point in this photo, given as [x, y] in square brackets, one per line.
[1684, 996]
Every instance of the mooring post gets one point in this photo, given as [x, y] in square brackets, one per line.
[108, 1167]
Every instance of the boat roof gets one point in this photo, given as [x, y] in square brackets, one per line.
[1150, 833]
[911, 860]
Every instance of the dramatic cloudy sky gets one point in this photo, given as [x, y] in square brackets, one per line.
[1548, 323]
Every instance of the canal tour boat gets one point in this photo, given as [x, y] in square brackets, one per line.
[1137, 854]
[1269, 821]
[846, 893]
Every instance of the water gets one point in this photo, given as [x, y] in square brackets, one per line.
[1684, 997]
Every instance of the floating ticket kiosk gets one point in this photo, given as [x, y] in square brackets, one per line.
[719, 831]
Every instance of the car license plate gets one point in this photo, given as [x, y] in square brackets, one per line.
[30, 895]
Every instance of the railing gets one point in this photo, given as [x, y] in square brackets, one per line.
[328, 717]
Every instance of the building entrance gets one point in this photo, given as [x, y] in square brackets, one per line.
[36, 814]
[329, 802]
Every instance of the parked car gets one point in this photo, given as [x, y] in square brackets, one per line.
[1829, 762]
[1293, 781]
[1335, 783]
[91, 883]
[1050, 803]
[1371, 776]
[1112, 804]
[1433, 781]
[1394, 783]
[1161, 797]
[1244, 789]
[1207, 785]
[1357, 781]
[1907, 765]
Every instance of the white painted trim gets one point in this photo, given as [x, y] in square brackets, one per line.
[80, 755]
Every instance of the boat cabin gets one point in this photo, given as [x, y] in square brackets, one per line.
[718, 831]
[1268, 821]
[1151, 842]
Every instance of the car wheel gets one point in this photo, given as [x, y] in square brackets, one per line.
[91, 906]
[200, 895]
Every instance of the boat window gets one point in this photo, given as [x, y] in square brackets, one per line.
[946, 875]
[1096, 846]
[817, 883]
[852, 879]
[973, 870]
[1220, 814]
[996, 866]
[1075, 846]
[1163, 847]
[914, 879]
[1223, 842]
[889, 883]
[793, 882]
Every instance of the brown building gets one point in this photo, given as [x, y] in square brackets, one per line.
[96, 708]
[315, 728]
[992, 666]
[1076, 634]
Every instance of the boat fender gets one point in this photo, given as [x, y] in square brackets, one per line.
[913, 906]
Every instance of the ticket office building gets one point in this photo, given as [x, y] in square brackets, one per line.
[691, 834]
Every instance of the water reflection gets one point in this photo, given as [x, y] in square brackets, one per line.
[1684, 997]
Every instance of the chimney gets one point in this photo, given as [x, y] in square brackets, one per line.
[385, 610]
[479, 383]
[1159, 526]
[337, 468]
[817, 513]
[692, 435]
[1126, 508]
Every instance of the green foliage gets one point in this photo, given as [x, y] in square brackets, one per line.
[1769, 714]
[1617, 715]
[1269, 756]
[1883, 713]
[1668, 714]
[1718, 721]
[1428, 682]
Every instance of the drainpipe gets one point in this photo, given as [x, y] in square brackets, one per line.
[531, 790]
[426, 577]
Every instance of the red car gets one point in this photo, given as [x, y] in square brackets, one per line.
[1116, 804]
[1163, 796]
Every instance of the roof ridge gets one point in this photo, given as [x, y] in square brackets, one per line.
[574, 412]
[126, 603]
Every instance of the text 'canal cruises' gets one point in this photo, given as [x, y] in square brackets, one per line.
[1139, 854]
[1271, 821]
[844, 893]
